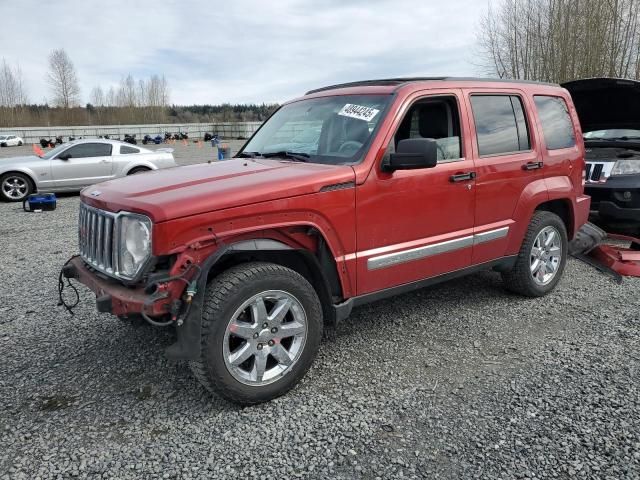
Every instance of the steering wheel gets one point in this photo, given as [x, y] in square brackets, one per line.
[350, 145]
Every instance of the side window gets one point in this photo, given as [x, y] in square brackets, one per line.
[501, 126]
[557, 126]
[124, 150]
[435, 118]
[86, 150]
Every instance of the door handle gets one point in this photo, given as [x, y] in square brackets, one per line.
[462, 177]
[533, 165]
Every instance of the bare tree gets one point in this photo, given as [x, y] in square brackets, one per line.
[560, 40]
[63, 80]
[97, 97]
[12, 92]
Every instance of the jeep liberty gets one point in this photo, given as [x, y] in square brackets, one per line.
[344, 196]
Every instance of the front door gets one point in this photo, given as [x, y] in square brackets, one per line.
[415, 224]
[81, 165]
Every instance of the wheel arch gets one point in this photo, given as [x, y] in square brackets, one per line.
[562, 207]
[30, 175]
[319, 267]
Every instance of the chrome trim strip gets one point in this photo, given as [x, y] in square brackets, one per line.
[391, 259]
[490, 235]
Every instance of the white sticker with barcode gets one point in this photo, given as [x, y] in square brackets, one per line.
[358, 111]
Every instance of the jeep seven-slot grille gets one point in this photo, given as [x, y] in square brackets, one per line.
[593, 172]
[96, 237]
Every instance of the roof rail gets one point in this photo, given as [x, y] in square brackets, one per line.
[404, 80]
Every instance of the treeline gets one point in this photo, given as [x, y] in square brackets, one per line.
[561, 40]
[43, 115]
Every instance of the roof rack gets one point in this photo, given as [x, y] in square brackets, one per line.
[404, 80]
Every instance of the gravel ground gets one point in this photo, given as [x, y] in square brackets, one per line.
[184, 154]
[457, 381]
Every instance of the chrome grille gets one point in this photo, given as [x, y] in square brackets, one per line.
[95, 238]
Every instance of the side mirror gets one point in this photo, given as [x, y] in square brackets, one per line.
[64, 156]
[411, 154]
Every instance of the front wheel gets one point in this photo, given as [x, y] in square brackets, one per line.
[542, 257]
[261, 330]
[15, 187]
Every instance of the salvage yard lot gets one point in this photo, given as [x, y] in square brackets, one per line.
[462, 380]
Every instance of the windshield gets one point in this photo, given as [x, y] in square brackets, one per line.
[613, 134]
[3, 137]
[55, 151]
[333, 130]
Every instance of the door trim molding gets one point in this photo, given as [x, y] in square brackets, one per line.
[412, 254]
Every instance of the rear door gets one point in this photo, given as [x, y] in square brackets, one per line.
[507, 159]
[81, 165]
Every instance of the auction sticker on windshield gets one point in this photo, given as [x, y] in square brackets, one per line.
[358, 111]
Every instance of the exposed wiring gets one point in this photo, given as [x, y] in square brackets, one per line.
[61, 286]
[155, 323]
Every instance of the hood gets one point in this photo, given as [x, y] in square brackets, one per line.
[606, 103]
[15, 160]
[183, 191]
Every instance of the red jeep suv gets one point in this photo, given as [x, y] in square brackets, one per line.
[344, 196]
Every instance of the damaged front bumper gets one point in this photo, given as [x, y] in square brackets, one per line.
[114, 297]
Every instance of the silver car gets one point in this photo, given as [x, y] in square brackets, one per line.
[74, 165]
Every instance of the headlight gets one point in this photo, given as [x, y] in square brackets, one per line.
[134, 241]
[626, 167]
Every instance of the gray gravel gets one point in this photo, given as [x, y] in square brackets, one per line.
[458, 381]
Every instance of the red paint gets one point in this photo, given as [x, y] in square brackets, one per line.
[197, 208]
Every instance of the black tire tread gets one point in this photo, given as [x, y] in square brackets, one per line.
[518, 280]
[220, 290]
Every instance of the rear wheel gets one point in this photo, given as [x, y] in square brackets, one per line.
[138, 170]
[20, 144]
[542, 257]
[261, 330]
[15, 187]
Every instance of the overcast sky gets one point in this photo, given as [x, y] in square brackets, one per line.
[240, 50]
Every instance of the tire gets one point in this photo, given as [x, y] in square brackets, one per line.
[136, 170]
[549, 261]
[15, 187]
[236, 294]
[19, 144]
[3, 144]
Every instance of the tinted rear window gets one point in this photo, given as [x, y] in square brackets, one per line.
[500, 124]
[125, 150]
[556, 122]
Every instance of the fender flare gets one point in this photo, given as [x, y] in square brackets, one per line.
[138, 163]
[187, 345]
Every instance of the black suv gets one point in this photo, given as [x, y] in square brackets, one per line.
[609, 111]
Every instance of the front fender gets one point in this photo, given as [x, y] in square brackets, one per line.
[25, 170]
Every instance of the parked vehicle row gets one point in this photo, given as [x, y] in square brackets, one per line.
[350, 194]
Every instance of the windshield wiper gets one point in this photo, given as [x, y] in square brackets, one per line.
[297, 156]
[248, 154]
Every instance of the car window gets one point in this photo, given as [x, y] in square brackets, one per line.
[501, 126]
[124, 150]
[11, 137]
[557, 126]
[86, 150]
[436, 118]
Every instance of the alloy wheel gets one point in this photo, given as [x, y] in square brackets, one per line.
[546, 255]
[265, 338]
[15, 188]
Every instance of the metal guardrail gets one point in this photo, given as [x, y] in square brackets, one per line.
[226, 130]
